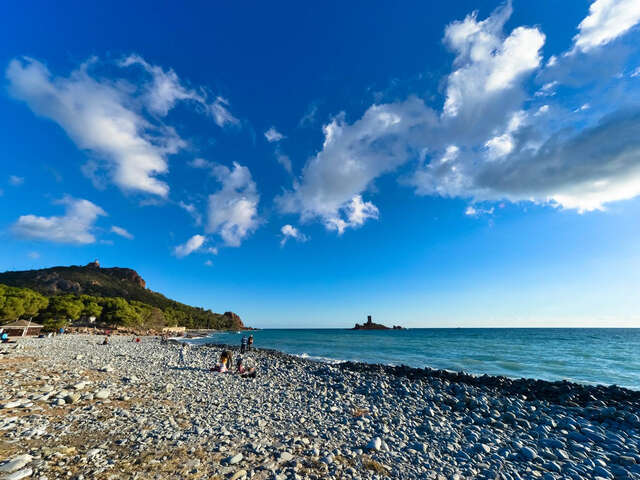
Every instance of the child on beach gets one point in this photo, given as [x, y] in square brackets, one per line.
[183, 354]
[225, 359]
[243, 344]
[250, 342]
[245, 372]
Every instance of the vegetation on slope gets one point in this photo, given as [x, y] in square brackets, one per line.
[114, 296]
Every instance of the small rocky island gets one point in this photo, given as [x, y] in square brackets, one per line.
[374, 326]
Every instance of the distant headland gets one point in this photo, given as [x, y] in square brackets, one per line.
[374, 326]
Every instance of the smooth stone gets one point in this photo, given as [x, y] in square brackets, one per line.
[285, 457]
[19, 475]
[528, 453]
[375, 444]
[13, 404]
[481, 447]
[93, 452]
[16, 463]
[235, 459]
[102, 394]
[239, 474]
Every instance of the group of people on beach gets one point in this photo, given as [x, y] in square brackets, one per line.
[225, 365]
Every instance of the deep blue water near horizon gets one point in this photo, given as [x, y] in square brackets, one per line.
[595, 356]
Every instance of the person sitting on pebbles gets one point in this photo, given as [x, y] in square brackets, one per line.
[225, 362]
[105, 341]
[244, 372]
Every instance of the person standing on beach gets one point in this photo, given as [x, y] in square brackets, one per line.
[183, 354]
[250, 342]
[243, 344]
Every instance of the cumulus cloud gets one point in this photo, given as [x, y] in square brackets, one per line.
[99, 117]
[273, 135]
[122, 232]
[607, 20]
[190, 246]
[353, 155]
[486, 63]
[492, 140]
[15, 180]
[74, 227]
[289, 231]
[106, 116]
[233, 210]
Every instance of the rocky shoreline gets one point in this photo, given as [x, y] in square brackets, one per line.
[74, 409]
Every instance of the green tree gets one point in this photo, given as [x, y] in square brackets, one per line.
[117, 311]
[64, 307]
[91, 309]
[19, 302]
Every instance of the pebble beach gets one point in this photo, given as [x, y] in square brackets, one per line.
[71, 408]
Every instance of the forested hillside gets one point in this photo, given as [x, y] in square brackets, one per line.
[113, 296]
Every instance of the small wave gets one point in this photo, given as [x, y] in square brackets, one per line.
[319, 359]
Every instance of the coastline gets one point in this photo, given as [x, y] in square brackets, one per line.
[137, 404]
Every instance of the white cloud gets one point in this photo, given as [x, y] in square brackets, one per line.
[190, 246]
[15, 180]
[273, 135]
[122, 232]
[74, 227]
[233, 210]
[208, 263]
[99, 116]
[219, 110]
[451, 153]
[607, 20]
[636, 72]
[105, 116]
[289, 231]
[486, 63]
[284, 160]
[33, 255]
[191, 210]
[542, 110]
[351, 158]
[483, 146]
[475, 211]
[165, 88]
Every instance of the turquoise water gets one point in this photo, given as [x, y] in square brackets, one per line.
[602, 356]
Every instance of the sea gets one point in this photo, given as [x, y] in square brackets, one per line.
[589, 356]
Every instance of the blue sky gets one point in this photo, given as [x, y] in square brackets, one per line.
[306, 165]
